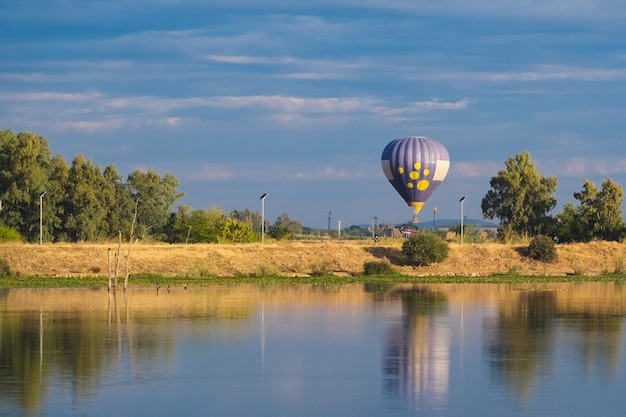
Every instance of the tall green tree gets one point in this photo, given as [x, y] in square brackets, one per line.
[597, 216]
[119, 203]
[54, 202]
[85, 207]
[521, 198]
[156, 197]
[24, 160]
[610, 218]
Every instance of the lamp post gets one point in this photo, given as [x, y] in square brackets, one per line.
[329, 213]
[263, 217]
[375, 226]
[41, 218]
[461, 201]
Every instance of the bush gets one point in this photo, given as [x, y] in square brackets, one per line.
[8, 234]
[5, 271]
[378, 268]
[425, 248]
[323, 268]
[542, 248]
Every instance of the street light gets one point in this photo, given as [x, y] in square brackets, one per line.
[375, 227]
[329, 213]
[263, 217]
[41, 218]
[461, 201]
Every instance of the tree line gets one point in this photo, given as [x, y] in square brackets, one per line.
[522, 199]
[44, 197]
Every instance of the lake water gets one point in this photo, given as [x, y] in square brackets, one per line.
[301, 350]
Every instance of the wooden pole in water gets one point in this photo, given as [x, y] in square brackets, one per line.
[130, 242]
[109, 267]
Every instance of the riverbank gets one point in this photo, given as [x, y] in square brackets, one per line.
[301, 259]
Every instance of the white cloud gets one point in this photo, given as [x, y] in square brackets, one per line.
[88, 126]
[210, 172]
[327, 172]
[475, 169]
[93, 111]
[330, 105]
[538, 73]
[49, 96]
[248, 60]
[580, 167]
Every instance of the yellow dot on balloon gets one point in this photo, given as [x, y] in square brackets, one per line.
[422, 185]
[426, 172]
[409, 185]
[400, 170]
[414, 175]
[417, 165]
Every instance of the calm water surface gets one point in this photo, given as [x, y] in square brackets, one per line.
[344, 350]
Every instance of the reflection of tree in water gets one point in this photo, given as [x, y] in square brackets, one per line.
[521, 338]
[416, 362]
[39, 346]
[597, 331]
[20, 361]
[600, 344]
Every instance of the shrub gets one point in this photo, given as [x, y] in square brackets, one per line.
[5, 271]
[232, 230]
[542, 248]
[378, 268]
[264, 271]
[323, 268]
[8, 234]
[619, 265]
[425, 248]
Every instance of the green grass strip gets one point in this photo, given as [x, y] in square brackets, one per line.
[143, 280]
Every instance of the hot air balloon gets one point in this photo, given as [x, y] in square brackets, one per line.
[415, 166]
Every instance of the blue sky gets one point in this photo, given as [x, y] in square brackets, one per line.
[297, 99]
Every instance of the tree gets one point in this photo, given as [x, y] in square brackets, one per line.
[156, 198]
[24, 160]
[598, 215]
[81, 202]
[284, 228]
[609, 209]
[196, 226]
[521, 198]
[356, 231]
[54, 206]
[120, 204]
[252, 219]
[85, 206]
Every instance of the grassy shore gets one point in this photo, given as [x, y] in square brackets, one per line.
[315, 262]
[164, 281]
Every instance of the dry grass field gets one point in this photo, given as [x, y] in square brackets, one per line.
[302, 259]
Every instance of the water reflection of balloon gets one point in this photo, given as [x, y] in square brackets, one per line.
[415, 166]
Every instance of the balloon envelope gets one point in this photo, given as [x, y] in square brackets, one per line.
[415, 166]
